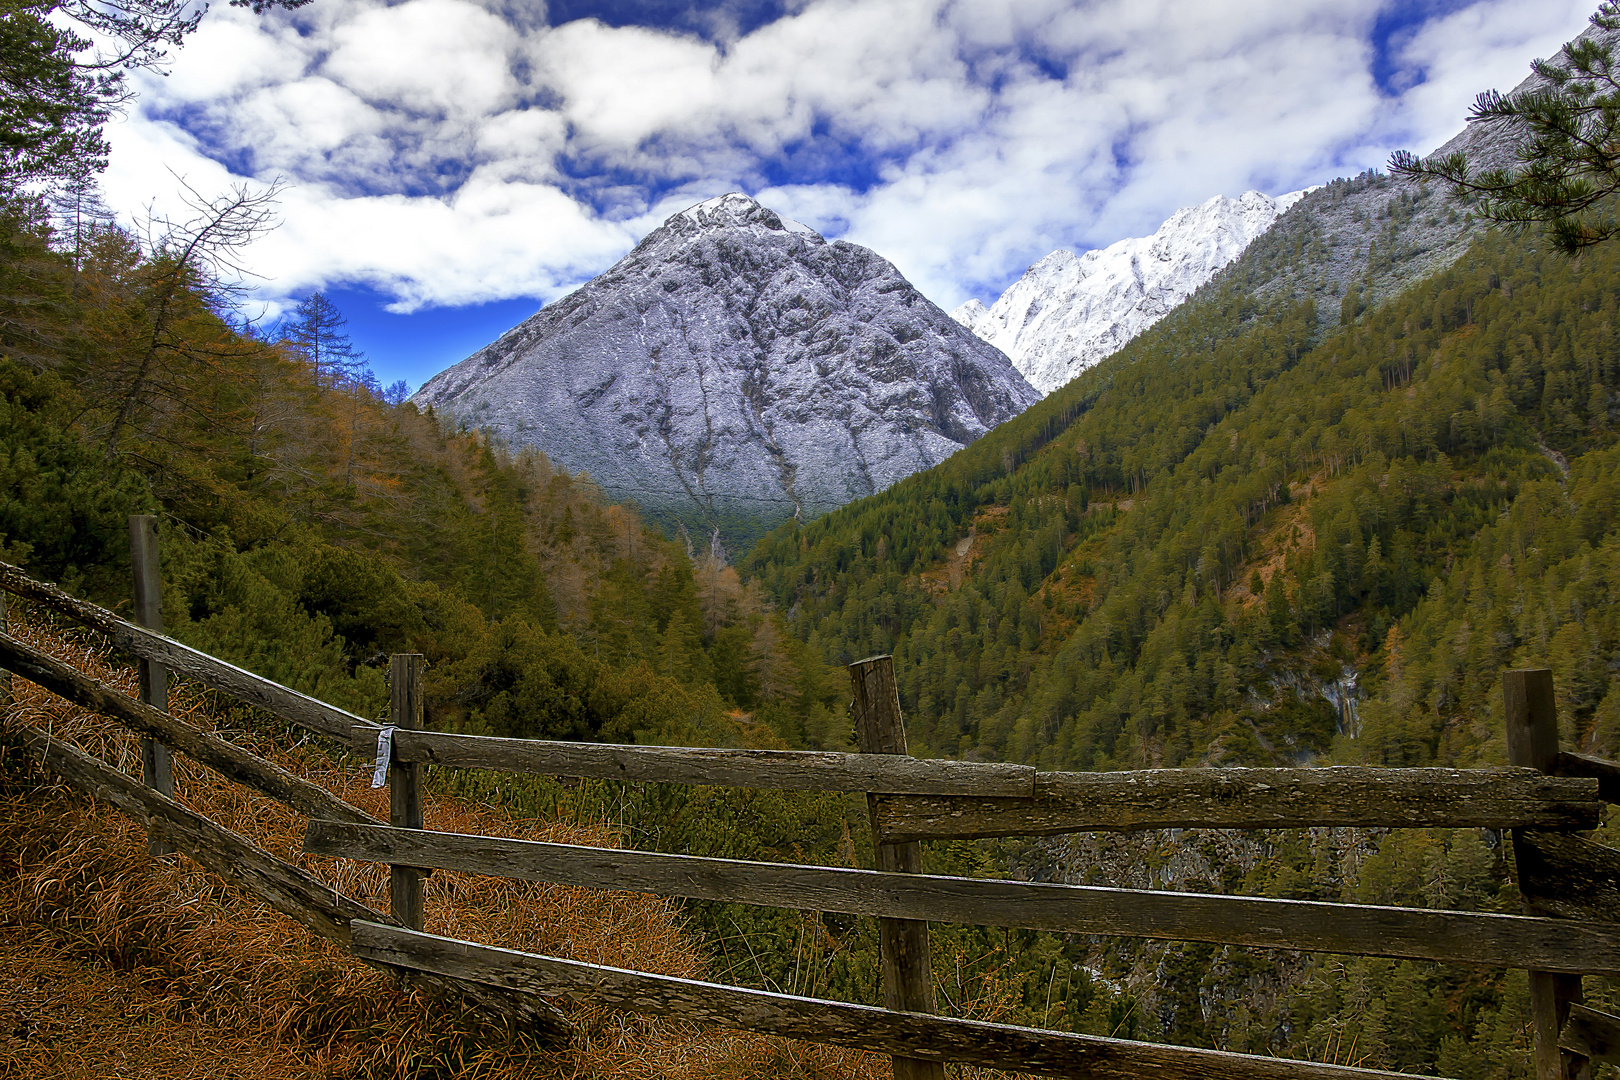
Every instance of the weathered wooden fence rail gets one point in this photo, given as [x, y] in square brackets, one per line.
[301, 709]
[793, 770]
[1253, 799]
[224, 757]
[1458, 937]
[1571, 884]
[907, 1035]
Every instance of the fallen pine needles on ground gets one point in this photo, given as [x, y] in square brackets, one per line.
[115, 964]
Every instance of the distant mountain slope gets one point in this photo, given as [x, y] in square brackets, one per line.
[1350, 245]
[1198, 550]
[737, 368]
[1069, 311]
[1243, 539]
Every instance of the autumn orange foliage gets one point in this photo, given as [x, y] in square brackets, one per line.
[115, 964]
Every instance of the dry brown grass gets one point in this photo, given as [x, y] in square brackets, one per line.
[114, 965]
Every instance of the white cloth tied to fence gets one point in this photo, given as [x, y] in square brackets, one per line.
[385, 748]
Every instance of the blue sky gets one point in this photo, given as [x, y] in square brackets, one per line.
[417, 345]
[450, 165]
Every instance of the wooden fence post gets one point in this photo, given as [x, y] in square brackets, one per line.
[908, 975]
[1532, 740]
[5, 676]
[157, 766]
[405, 892]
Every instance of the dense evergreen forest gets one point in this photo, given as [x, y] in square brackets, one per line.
[1239, 541]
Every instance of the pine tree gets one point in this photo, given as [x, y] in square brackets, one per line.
[51, 108]
[79, 212]
[1567, 141]
[59, 86]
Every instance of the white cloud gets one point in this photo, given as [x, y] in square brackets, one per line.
[446, 156]
[620, 86]
[1483, 47]
[440, 58]
[443, 251]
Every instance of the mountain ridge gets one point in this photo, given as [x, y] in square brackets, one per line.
[1069, 311]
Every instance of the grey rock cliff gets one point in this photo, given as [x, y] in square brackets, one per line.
[737, 369]
[1374, 234]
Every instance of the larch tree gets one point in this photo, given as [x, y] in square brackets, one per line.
[317, 332]
[190, 268]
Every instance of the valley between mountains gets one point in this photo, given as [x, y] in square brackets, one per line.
[1291, 481]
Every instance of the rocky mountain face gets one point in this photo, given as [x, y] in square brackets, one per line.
[736, 369]
[1349, 245]
[1069, 311]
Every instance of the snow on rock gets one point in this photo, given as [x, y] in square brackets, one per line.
[736, 365]
[1069, 311]
[972, 315]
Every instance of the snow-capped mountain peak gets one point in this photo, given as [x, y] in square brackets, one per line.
[736, 369]
[971, 314]
[1069, 311]
[735, 210]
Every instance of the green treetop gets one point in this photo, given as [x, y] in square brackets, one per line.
[57, 88]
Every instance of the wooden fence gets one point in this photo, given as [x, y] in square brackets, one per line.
[1571, 885]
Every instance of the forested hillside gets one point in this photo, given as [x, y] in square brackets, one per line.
[1245, 540]
[1240, 540]
[311, 525]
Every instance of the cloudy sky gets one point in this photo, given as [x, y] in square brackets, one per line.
[452, 164]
